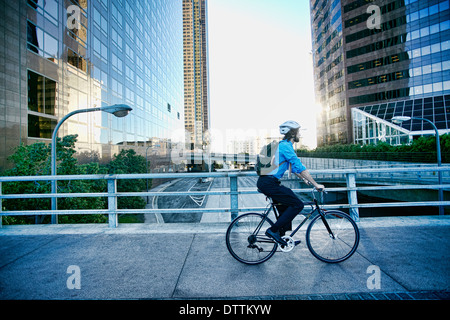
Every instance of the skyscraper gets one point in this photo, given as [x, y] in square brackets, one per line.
[196, 85]
[377, 59]
[59, 56]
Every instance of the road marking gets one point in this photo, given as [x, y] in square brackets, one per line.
[199, 199]
[159, 217]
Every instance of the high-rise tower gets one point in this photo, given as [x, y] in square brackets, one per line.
[196, 85]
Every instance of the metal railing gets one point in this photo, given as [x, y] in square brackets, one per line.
[425, 177]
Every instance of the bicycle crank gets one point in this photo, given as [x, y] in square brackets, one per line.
[290, 244]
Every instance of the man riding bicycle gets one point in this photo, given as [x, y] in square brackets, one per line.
[270, 185]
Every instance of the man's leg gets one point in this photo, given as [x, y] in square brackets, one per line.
[287, 197]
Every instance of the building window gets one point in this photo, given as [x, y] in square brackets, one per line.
[393, 76]
[377, 46]
[48, 8]
[41, 105]
[380, 96]
[100, 50]
[100, 78]
[40, 127]
[41, 94]
[117, 39]
[41, 43]
[117, 63]
[100, 22]
[76, 60]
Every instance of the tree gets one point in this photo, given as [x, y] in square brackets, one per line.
[34, 160]
[28, 161]
[128, 162]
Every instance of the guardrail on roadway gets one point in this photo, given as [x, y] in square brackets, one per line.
[425, 177]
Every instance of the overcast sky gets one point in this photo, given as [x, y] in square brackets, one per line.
[260, 67]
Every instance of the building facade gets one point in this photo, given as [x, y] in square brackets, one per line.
[378, 59]
[62, 55]
[196, 77]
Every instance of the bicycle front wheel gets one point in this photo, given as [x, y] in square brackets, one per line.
[332, 237]
[246, 239]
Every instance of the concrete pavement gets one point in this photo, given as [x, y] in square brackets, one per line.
[398, 258]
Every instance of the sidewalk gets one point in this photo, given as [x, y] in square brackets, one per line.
[191, 261]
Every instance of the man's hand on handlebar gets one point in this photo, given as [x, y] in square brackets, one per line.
[308, 179]
[320, 187]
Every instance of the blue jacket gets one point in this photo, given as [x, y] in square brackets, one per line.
[286, 155]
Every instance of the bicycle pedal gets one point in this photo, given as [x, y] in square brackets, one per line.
[297, 242]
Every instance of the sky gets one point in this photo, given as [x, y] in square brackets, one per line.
[260, 68]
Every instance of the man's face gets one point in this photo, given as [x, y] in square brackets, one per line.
[297, 136]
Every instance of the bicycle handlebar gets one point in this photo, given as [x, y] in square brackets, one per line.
[320, 190]
[314, 188]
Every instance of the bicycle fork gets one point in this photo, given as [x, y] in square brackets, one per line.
[325, 222]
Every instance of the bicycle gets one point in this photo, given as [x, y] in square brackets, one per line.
[332, 236]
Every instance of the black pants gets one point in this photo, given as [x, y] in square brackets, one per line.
[290, 206]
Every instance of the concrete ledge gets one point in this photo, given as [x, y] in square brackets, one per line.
[406, 221]
[135, 228]
[193, 228]
[191, 261]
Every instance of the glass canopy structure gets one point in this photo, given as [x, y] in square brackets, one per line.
[372, 124]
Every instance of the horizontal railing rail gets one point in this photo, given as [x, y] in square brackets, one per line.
[433, 175]
[406, 157]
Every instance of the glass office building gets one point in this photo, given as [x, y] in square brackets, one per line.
[393, 59]
[62, 55]
[329, 73]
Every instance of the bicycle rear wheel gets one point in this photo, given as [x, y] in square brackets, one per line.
[332, 238]
[246, 239]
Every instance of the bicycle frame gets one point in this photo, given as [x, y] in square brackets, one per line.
[315, 208]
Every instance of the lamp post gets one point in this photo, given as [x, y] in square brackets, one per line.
[400, 119]
[119, 110]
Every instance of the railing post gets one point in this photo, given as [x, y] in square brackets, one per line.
[440, 194]
[352, 195]
[112, 203]
[1, 206]
[54, 201]
[234, 198]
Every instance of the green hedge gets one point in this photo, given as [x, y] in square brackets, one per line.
[422, 149]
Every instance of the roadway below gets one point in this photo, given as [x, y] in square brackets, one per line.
[181, 202]
[193, 202]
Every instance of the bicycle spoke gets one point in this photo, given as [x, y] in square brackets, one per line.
[339, 245]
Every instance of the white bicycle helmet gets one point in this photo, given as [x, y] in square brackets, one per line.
[288, 126]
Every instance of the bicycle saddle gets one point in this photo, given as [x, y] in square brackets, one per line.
[264, 194]
[269, 198]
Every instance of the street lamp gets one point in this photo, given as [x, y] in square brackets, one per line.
[119, 110]
[400, 119]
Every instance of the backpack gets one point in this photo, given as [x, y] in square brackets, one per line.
[265, 160]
